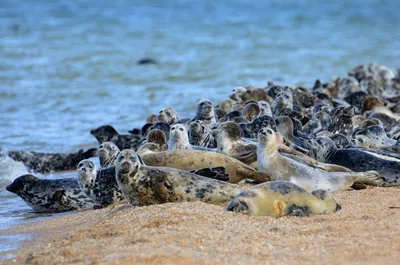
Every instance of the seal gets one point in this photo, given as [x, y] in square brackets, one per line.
[179, 139]
[51, 195]
[377, 135]
[341, 120]
[304, 175]
[108, 152]
[158, 137]
[363, 141]
[224, 107]
[250, 130]
[51, 162]
[168, 115]
[100, 185]
[165, 127]
[340, 140]
[205, 112]
[146, 185]
[265, 108]
[283, 101]
[282, 198]
[251, 110]
[320, 119]
[107, 133]
[194, 160]
[323, 149]
[284, 125]
[200, 134]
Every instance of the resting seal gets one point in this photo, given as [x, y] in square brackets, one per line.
[250, 130]
[341, 120]
[193, 159]
[265, 108]
[205, 112]
[158, 137]
[323, 149]
[377, 135]
[179, 139]
[51, 162]
[251, 110]
[108, 152]
[51, 195]
[305, 175]
[107, 133]
[283, 101]
[280, 198]
[146, 185]
[100, 185]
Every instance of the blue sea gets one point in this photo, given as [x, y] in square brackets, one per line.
[67, 67]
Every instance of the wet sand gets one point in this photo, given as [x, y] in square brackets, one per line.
[365, 231]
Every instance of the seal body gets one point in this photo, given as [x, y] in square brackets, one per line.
[51, 162]
[108, 152]
[323, 149]
[100, 185]
[281, 198]
[193, 159]
[51, 195]
[303, 174]
[107, 133]
[144, 185]
[200, 134]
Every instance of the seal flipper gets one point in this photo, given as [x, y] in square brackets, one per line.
[92, 152]
[359, 186]
[59, 199]
[295, 210]
[218, 173]
[280, 208]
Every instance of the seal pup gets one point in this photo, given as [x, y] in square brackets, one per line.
[282, 198]
[308, 177]
[168, 115]
[205, 112]
[100, 185]
[108, 152]
[51, 195]
[194, 160]
[323, 149]
[107, 133]
[200, 134]
[145, 185]
[51, 162]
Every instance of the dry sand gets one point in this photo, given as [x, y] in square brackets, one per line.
[365, 231]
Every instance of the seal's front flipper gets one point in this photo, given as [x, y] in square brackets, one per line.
[279, 208]
[218, 173]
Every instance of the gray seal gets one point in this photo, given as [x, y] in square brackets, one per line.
[108, 152]
[51, 195]
[144, 185]
[51, 162]
[107, 133]
[168, 115]
[205, 112]
[200, 134]
[100, 185]
[323, 149]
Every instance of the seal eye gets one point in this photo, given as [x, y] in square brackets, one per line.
[269, 131]
[161, 111]
[121, 158]
[361, 141]
[101, 146]
[181, 129]
[173, 129]
[168, 114]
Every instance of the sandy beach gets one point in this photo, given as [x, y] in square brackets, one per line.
[365, 231]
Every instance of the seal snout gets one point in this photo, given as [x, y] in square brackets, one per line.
[338, 207]
[16, 186]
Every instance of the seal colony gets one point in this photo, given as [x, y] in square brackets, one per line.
[271, 151]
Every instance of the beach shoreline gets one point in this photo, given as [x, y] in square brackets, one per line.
[365, 231]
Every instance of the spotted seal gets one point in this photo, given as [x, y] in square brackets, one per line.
[250, 130]
[107, 133]
[340, 140]
[205, 112]
[284, 100]
[281, 198]
[51, 195]
[377, 135]
[99, 184]
[265, 108]
[51, 162]
[200, 134]
[223, 108]
[194, 159]
[168, 115]
[323, 149]
[251, 110]
[108, 152]
[362, 140]
[165, 127]
[308, 177]
[179, 139]
[147, 185]
[341, 120]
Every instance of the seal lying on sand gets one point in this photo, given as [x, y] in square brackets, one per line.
[280, 198]
[144, 185]
[323, 149]
[100, 185]
[193, 159]
[107, 133]
[302, 174]
[51, 195]
[51, 162]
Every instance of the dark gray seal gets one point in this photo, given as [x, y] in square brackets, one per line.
[107, 133]
[200, 134]
[205, 112]
[251, 129]
[51, 195]
[100, 185]
[108, 152]
[341, 120]
[324, 150]
[51, 162]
